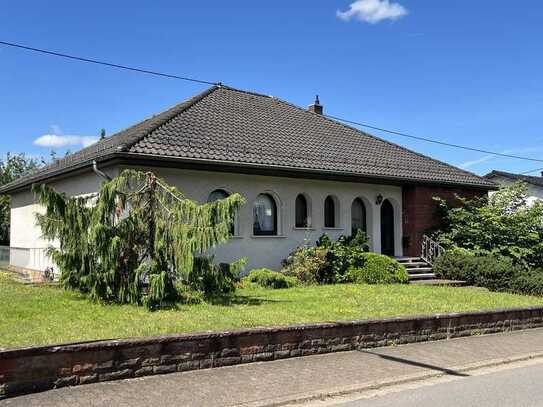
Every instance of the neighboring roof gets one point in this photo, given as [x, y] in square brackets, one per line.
[248, 129]
[538, 181]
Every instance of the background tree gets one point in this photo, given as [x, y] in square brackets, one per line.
[502, 224]
[102, 134]
[136, 242]
[13, 167]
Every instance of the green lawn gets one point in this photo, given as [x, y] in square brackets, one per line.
[34, 315]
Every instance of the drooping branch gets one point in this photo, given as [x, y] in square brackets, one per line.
[136, 241]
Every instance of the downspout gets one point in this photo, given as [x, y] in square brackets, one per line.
[98, 172]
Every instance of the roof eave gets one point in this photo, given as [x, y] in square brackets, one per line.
[130, 158]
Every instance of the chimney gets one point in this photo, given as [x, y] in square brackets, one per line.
[316, 107]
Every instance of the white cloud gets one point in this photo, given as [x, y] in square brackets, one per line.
[488, 157]
[372, 11]
[58, 140]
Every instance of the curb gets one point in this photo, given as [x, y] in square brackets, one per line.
[359, 388]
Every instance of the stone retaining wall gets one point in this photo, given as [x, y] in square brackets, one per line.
[41, 368]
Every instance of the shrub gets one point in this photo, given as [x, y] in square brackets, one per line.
[342, 254]
[307, 264]
[270, 279]
[502, 224]
[213, 279]
[456, 264]
[529, 282]
[377, 269]
[490, 271]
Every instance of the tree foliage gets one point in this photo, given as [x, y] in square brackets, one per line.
[503, 224]
[136, 240]
[13, 167]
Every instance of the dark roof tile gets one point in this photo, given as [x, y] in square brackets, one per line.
[245, 128]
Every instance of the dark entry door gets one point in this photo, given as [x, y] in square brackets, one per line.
[387, 228]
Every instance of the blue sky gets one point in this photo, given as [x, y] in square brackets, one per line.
[467, 72]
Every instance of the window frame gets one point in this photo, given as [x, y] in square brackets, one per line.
[330, 200]
[275, 211]
[306, 223]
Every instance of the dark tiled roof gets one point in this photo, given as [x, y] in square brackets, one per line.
[243, 128]
[516, 177]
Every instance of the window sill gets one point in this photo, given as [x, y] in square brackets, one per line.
[333, 229]
[307, 228]
[236, 237]
[268, 236]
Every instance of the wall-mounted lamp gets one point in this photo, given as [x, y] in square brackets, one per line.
[379, 199]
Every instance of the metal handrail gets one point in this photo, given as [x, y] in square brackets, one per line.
[430, 250]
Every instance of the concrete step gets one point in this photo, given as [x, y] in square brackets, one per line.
[440, 282]
[405, 260]
[422, 276]
[421, 270]
[414, 265]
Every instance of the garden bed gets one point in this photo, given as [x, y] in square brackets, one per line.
[40, 315]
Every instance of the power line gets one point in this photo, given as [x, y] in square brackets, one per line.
[97, 62]
[184, 78]
[443, 143]
[534, 170]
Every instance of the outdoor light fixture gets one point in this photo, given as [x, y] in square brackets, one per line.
[379, 199]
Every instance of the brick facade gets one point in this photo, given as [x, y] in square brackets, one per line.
[420, 211]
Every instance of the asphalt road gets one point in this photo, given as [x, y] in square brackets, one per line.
[520, 387]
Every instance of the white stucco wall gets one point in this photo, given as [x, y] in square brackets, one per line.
[268, 251]
[261, 251]
[535, 193]
[27, 248]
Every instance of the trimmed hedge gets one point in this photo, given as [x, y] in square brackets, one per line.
[270, 279]
[377, 269]
[530, 282]
[495, 272]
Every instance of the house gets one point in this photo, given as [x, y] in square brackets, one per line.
[301, 173]
[534, 183]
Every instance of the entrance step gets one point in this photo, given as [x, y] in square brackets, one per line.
[418, 269]
[440, 282]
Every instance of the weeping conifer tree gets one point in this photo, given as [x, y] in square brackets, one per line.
[135, 240]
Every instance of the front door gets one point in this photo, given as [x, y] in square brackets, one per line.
[387, 228]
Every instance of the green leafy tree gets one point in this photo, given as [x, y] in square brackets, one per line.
[13, 167]
[102, 134]
[134, 242]
[502, 224]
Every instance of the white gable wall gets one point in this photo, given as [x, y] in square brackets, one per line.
[27, 248]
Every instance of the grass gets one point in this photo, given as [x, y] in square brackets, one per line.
[38, 315]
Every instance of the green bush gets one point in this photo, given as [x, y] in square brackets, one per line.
[342, 254]
[456, 264]
[502, 224]
[490, 271]
[529, 283]
[213, 279]
[270, 279]
[307, 264]
[377, 269]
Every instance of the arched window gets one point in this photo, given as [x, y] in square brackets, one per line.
[221, 194]
[302, 220]
[329, 212]
[358, 216]
[265, 215]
